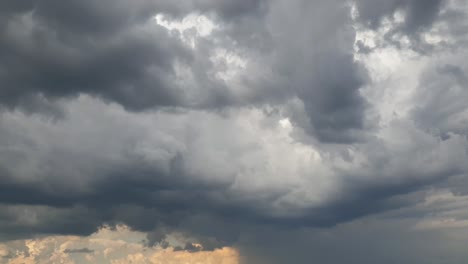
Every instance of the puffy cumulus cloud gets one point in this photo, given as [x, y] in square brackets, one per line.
[113, 246]
[206, 125]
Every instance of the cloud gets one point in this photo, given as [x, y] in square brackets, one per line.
[119, 245]
[420, 26]
[116, 51]
[206, 125]
[315, 60]
[159, 172]
[417, 14]
[442, 108]
[122, 54]
[67, 65]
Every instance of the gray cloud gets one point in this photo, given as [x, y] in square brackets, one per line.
[55, 62]
[314, 59]
[418, 15]
[116, 51]
[120, 54]
[281, 124]
[405, 22]
[159, 172]
[442, 110]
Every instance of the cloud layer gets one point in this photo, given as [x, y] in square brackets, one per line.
[219, 119]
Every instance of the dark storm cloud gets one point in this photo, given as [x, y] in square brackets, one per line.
[314, 61]
[334, 106]
[132, 67]
[114, 50]
[304, 146]
[74, 180]
[112, 54]
[51, 50]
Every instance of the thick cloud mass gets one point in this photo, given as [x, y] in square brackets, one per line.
[114, 50]
[257, 125]
[418, 14]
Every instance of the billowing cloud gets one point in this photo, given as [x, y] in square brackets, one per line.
[417, 14]
[116, 51]
[203, 126]
[119, 245]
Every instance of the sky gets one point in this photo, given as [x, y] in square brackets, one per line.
[234, 132]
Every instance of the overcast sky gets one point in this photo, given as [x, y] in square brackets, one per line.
[235, 132]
